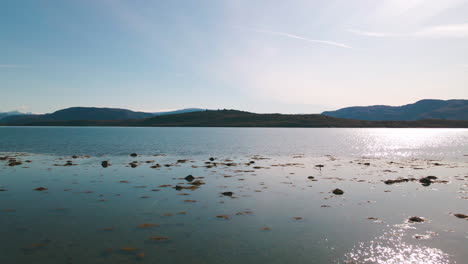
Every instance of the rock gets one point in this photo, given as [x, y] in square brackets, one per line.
[40, 189]
[178, 187]
[189, 178]
[462, 216]
[74, 157]
[425, 181]
[227, 193]
[133, 155]
[14, 163]
[105, 164]
[338, 191]
[416, 219]
[399, 180]
[311, 177]
[211, 159]
[133, 165]
[367, 164]
[431, 177]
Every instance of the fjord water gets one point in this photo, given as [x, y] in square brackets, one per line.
[354, 142]
[91, 214]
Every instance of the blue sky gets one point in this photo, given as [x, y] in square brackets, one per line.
[261, 56]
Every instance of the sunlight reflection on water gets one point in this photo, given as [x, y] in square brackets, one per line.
[391, 249]
[406, 142]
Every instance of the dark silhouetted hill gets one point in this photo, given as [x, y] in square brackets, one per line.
[234, 118]
[78, 113]
[424, 109]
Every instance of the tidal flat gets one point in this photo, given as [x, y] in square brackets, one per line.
[298, 208]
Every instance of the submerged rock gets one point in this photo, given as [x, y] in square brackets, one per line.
[14, 163]
[197, 182]
[227, 193]
[338, 191]
[133, 155]
[40, 189]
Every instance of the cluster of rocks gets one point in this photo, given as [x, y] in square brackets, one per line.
[425, 181]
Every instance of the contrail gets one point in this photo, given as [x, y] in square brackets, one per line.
[288, 35]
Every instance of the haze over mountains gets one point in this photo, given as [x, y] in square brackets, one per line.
[424, 113]
[12, 113]
[424, 109]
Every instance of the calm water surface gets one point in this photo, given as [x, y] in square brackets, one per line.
[276, 214]
[355, 142]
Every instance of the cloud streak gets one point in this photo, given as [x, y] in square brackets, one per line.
[442, 31]
[293, 36]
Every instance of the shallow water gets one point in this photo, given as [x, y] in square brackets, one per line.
[91, 214]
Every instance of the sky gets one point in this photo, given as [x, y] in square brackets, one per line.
[303, 56]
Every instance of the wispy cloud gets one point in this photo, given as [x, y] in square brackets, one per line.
[375, 34]
[454, 30]
[13, 66]
[442, 31]
[293, 36]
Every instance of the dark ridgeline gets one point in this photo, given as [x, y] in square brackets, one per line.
[234, 118]
[77, 113]
[85, 113]
[424, 109]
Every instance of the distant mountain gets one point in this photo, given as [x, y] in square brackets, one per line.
[234, 118]
[181, 111]
[12, 113]
[86, 113]
[424, 109]
[78, 113]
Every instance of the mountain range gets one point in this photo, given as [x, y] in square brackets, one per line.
[86, 113]
[424, 109]
[12, 113]
[424, 113]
